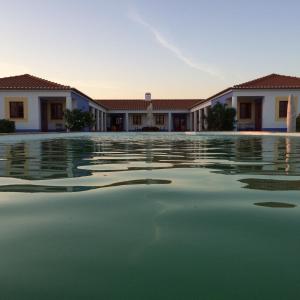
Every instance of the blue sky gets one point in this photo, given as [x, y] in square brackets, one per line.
[173, 49]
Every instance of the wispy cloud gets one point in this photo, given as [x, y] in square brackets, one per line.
[162, 41]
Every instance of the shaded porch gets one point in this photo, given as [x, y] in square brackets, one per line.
[249, 113]
[52, 113]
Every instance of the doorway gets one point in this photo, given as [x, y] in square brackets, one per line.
[180, 122]
[258, 114]
[44, 116]
[117, 122]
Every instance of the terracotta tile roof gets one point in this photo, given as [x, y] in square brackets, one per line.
[29, 82]
[273, 81]
[141, 104]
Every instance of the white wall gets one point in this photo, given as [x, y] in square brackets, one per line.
[269, 105]
[34, 119]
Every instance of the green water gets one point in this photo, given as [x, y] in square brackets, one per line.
[150, 217]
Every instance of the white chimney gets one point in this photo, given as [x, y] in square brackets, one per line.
[148, 96]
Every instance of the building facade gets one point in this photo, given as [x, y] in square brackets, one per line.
[134, 115]
[268, 103]
[35, 104]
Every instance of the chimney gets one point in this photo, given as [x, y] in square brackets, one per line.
[148, 96]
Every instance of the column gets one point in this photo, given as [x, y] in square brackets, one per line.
[205, 115]
[169, 122]
[101, 120]
[195, 121]
[291, 115]
[191, 121]
[105, 121]
[69, 102]
[234, 104]
[126, 122]
[97, 120]
[200, 120]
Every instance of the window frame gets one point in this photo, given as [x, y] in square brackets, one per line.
[279, 109]
[17, 117]
[56, 115]
[241, 111]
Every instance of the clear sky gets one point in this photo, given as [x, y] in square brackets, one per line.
[171, 48]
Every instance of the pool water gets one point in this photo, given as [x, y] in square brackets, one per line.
[150, 216]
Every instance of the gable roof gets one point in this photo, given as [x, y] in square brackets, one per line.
[272, 81]
[141, 104]
[29, 82]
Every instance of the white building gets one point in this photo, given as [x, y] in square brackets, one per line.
[269, 103]
[36, 104]
[261, 104]
[132, 115]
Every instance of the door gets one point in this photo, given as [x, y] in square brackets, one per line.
[258, 115]
[176, 123]
[117, 123]
[44, 116]
[179, 123]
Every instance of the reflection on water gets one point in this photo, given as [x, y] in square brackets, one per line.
[73, 158]
[30, 188]
[275, 204]
[271, 184]
[150, 216]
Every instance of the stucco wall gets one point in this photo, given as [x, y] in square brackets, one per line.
[269, 121]
[221, 99]
[80, 102]
[33, 122]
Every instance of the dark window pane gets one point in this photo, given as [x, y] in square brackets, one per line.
[245, 110]
[16, 110]
[283, 109]
[57, 111]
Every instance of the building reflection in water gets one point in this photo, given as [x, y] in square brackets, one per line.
[66, 158]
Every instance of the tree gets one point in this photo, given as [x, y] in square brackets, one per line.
[220, 118]
[77, 120]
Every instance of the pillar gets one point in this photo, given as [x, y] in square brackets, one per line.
[97, 120]
[234, 104]
[195, 121]
[69, 103]
[126, 122]
[291, 115]
[191, 121]
[200, 120]
[205, 115]
[105, 121]
[169, 122]
[101, 120]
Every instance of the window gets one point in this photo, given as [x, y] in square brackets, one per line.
[245, 110]
[137, 119]
[159, 119]
[283, 104]
[16, 110]
[57, 111]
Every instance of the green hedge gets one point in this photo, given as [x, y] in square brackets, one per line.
[7, 126]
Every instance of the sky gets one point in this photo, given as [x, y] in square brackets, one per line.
[172, 48]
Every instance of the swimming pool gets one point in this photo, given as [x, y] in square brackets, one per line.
[149, 216]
